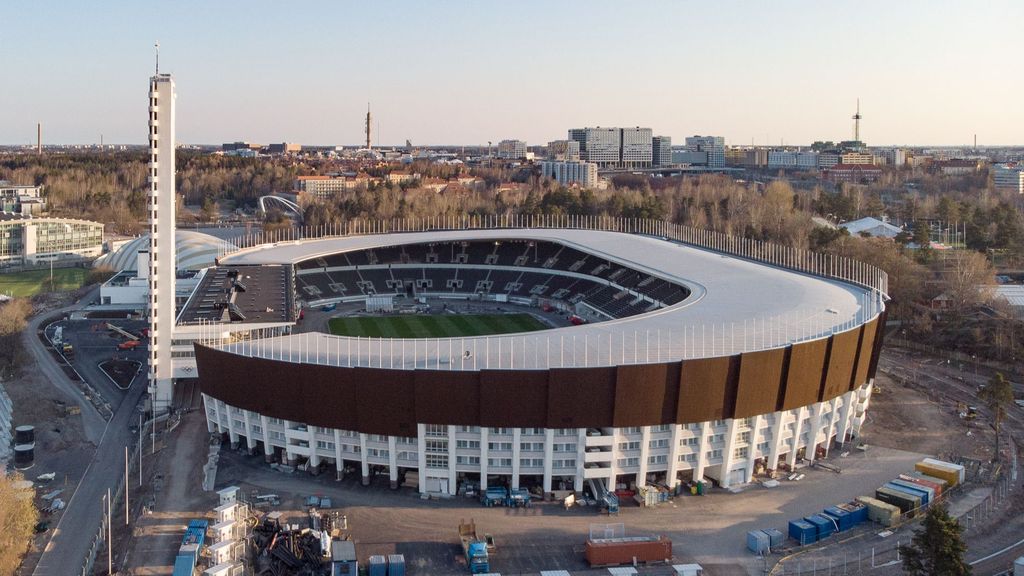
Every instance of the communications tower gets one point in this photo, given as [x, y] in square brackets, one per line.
[368, 132]
[856, 123]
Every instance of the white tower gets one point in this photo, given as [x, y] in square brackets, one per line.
[161, 239]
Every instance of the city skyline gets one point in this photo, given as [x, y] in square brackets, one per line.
[456, 73]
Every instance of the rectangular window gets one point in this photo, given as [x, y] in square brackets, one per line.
[467, 460]
[564, 447]
[436, 430]
[741, 453]
[658, 459]
[502, 446]
[531, 446]
[628, 462]
[659, 443]
[499, 430]
[324, 445]
[500, 462]
[437, 461]
[468, 444]
[712, 454]
[627, 446]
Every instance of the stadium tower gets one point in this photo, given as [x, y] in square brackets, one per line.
[161, 237]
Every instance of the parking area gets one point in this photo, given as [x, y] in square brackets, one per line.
[93, 344]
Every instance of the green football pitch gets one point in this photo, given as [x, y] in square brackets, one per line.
[440, 326]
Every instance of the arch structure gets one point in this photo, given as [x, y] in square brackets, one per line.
[693, 364]
[283, 203]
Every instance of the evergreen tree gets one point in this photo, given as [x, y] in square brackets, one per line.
[997, 396]
[937, 549]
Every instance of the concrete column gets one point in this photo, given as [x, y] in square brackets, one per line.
[339, 462]
[453, 476]
[755, 432]
[815, 430]
[364, 463]
[485, 434]
[291, 459]
[232, 431]
[798, 426]
[581, 439]
[616, 434]
[549, 454]
[732, 429]
[421, 456]
[209, 404]
[393, 462]
[250, 442]
[776, 443]
[517, 434]
[672, 473]
[268, 450]
[859, 421]
[314, 456]
[645, 451]
[702, 456]
[845, 415]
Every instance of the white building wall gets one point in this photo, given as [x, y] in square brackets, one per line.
[161, 239]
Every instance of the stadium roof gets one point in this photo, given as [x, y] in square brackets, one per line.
[193, 250]
[735, 305]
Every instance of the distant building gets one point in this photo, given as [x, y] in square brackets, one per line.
[661, 150]
[958, 167]
[684, 156]
[615, 147]
[31, 241]
[284, 148]
[828, 159]
[582, 173]
[894, 156]
[871, 227]
[326, 186]
[793, 159]
[24, 200]
[852, 173]
[857, 158]
[1009, 177]
[1013, 294]
[235, 146]
[512, 149]
[746, 156]
[713, 145]
[564, 150]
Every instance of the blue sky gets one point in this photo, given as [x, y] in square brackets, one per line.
[927, 73]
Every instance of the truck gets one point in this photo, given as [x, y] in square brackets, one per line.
[519, 498]
[495, 496]
[474, 548]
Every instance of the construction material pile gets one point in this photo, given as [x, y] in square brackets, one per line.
[283, 550]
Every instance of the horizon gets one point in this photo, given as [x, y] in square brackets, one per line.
[460, 72]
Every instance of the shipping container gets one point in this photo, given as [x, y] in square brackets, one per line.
[960, 470]
[937, 481]
[909, 489]
[803, 532]
[935, 487]
[905, 501]
[190, 551]
[183, 566]
[858, 512]
[952, 477]
[378, 566]
[825, 526]
[396, 565]
[775, 537]
[926, 490]
[842, 518]
[617, 551]
[758, 542]
[882, 512]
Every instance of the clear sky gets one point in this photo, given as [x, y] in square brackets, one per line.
[927, 72]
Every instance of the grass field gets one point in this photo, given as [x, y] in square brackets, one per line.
[447, 326]
[23, 284]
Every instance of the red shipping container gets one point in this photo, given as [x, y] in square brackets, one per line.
[933, 485]
[617, 551]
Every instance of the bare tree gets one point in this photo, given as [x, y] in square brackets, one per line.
[967, 276]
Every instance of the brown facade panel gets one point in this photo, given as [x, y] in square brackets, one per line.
[329, 397]
[759, 383]
[865, 350]
[447, 397]
[877, 345]
[386, 400]
[640, 394]
[705, 385]
[842, 355]
[804, 377]
[581, 397]
[514, 398]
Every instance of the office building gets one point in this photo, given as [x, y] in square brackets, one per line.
[798, 160]
[583, 174]
[894, 156]
[564, 150]
[284, 148]
[512, 149]
[637, 148]
[19, 199]
[161, 239]
[1009, 177]
[602, 146]
[713, 145]
[661, 150]
[852, 173]
[329, 185]
[28, 241]
[857, 158]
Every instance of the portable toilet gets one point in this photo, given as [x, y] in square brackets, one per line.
[396, 565]
[221, 552]
[228, 495]
[775, 537]
[378, 566]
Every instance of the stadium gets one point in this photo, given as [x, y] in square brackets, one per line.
[535, 353]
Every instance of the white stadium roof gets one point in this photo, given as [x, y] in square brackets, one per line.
[194, 251]
[735, 305]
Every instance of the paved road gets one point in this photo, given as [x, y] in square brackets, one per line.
[70, 541]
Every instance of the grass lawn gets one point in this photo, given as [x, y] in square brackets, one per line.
[23, 284]
[446, 326]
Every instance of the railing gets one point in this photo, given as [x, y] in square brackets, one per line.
[818, 264]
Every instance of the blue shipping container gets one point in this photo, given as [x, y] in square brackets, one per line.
[842, 517]
[858, 512]
[758, 542]
[378, 566]
[183, 566]
[396, 565]
[775, 537]
[824, 525]
[929, 492]
[912, 491]
[803, 532]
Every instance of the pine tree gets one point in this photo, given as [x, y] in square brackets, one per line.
[937, 549]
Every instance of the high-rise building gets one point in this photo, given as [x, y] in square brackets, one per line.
[564, 150]
[661, 150]
[161, 239]
[615, 147]
[582, 173]
[713, 145]
[1009, 177]
[512, 149]
[637, 147]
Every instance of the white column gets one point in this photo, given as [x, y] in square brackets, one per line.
[364, 464]
[268, 450]
[314, 456]
[232, 432]
[727, 452]
[421, 455]
[776, 444]
[485, 434]
[250, 442]
[393, 461]
[752, 446]
[581, 439]
[702, 456]
[672, 474]
[453, 476]
[209, 403]
[645, 451]
[863, 405]
[339, 462]
[845, 415]
[517, 434]
[798, 426]
[549, 455]
[815, 430]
